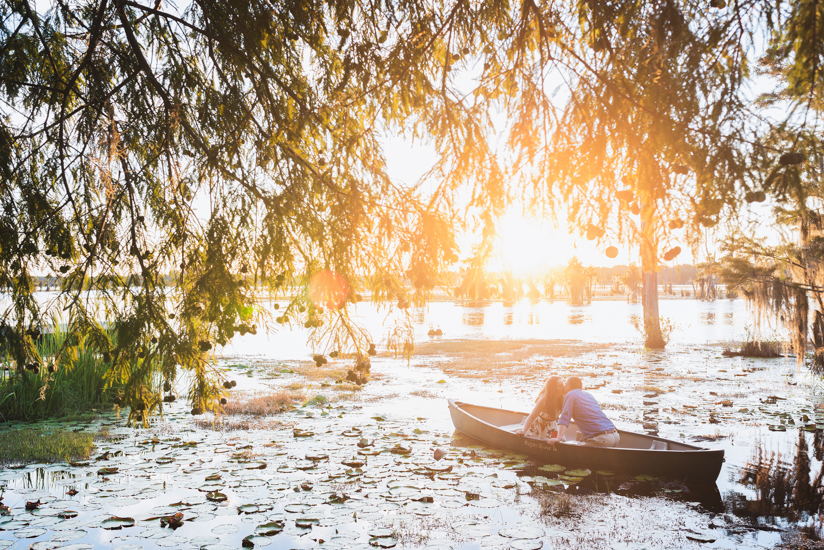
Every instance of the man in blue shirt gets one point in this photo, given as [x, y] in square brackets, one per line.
[596, 429]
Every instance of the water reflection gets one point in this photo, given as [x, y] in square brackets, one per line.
[783, 487]
[41, 479]
[708, 318]
[473, 318]
[728, 318]
[508, 318]
[577, 318]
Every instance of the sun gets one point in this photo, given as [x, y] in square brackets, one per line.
[525, 244]
[528, 246]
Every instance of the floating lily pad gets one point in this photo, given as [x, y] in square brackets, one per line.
[204, 540]
[522, 532]
[216, 496]
[297, 508]
[551, 482]
[701, 537]
[577, 473]
[570, 480]
[114, 523]
[225, 529]
[605, 473]
[68, 536]
[552, 468]
[383, 542]
[475, 530]
[13, 525]
[526, 544]
[172, 541]
[30, 532]
[644, 477]
[777, 428]
[269, 529]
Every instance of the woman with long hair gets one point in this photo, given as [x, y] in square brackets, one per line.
[542, 422]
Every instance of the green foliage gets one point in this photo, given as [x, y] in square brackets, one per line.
[38, 444]
[72, 378]
[173, 165]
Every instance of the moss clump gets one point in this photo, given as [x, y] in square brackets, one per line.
[31, 445]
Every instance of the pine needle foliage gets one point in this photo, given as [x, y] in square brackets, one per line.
[174, 164]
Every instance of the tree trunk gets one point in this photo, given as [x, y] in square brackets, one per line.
[649, 275]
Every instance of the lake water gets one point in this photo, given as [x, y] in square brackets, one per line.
[301, 479]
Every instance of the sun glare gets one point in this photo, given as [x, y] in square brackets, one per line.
[523, 244]
[527, 246]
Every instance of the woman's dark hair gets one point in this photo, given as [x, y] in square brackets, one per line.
[553, 397]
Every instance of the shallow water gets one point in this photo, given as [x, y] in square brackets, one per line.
[490, 498]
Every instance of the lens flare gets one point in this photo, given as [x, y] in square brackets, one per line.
[328, 288]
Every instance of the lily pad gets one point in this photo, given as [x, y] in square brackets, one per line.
[701, 537]
[30, 532]
[306, 523]
[115, 522]
[552, 468]
[578, 473]
[216, 496]
[522, 532]
[68, 536]
[570, 480]
[297, 508]
[526, 544]
[225, 529]
[247, 509]
[383, 542]
[269, 529]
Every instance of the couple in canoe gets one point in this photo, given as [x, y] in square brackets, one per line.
[560, 402]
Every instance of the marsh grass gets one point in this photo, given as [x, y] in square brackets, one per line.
[35, 445]
[335, 370]
[501, 358]
[225, 424]
[555, 504]
[265, 404]
[417, 531]
[78, 384]
[650, 388]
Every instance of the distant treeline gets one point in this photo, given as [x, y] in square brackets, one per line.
[677, 275]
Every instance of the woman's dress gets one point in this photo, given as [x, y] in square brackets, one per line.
[543, 427]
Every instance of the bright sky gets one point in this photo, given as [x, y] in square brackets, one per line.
[525, 245]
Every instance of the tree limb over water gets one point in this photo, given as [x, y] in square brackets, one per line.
[235, 148]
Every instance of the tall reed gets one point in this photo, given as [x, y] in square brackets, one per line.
[78, 383]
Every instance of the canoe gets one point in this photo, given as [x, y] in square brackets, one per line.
[636, 453]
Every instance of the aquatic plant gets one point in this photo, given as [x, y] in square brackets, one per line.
[265, 404]
[73, 377]
[40, 444]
